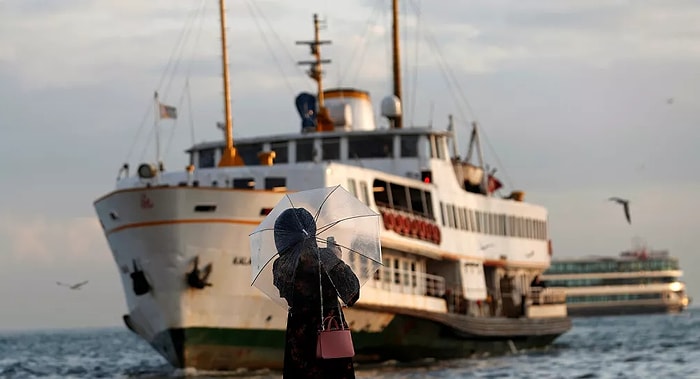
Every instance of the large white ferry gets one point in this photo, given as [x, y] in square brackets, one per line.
[638, 281]
[457, 259]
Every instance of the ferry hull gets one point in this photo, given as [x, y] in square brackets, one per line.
[623, 309]
[405, 339]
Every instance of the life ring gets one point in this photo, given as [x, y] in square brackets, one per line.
[406, 225]
[398, 226]
[422, 230]
[436, 234]
[431, 233]
[389, 220]
[415, 227]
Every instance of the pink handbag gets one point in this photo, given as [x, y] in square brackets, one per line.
[334, 341]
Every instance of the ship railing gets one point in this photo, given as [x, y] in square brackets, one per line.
[408, 282]
[545, 296]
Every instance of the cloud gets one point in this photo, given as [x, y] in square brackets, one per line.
[42, 240]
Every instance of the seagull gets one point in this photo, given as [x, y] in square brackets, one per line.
[72, 286]
[625, 205]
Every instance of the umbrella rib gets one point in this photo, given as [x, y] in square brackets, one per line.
[263, 268]
[261, 230]
[318, 212]
[351, 249]
[334, 223]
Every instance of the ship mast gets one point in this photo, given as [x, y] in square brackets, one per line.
[398, 121]
[230, 156]
[323, 120]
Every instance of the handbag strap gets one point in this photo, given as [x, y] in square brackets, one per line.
[320, 291]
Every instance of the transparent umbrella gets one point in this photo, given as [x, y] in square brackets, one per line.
[328, 224]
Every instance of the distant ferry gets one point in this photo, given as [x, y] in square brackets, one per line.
[638, 281]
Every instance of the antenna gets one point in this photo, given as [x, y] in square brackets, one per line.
[323, 121]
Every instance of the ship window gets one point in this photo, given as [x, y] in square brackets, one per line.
[462, 219]
[381, 195]
[249, 153]
[416, 200]
[206, 158]
[409, 146]
[442, 213]
[429, 205]
[511, 226]
[424, 146]
[244, 183]
[386, 266]
[450, 216]
[331, 148]
[365, 192]
[371, 147]
[351, 187]
[276, 184]
[406, 272]
[398, 197]
[414, 282]
[305, 150]
[205, 208]
[281, 150]
[439, 147]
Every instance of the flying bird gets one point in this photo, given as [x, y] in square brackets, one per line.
[625, 205]
[75, 286]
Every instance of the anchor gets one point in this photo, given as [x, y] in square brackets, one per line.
[139, 282]
[197, 278]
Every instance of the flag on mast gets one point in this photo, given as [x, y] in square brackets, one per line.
[167, 111]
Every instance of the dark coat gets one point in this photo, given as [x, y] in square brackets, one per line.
[302, 291]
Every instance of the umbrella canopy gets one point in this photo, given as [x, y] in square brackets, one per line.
[329, 225]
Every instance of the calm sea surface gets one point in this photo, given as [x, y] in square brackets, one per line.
[654, 346]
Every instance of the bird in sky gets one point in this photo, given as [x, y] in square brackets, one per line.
[669, 100]
[75, 286]
[625, 205]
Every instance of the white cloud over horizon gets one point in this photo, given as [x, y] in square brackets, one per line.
[570, 95]
[36, 239]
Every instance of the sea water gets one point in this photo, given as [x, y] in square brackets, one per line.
[649, 346]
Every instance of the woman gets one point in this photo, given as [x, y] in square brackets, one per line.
[296, 276]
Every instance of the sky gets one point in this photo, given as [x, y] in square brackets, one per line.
[578, 100]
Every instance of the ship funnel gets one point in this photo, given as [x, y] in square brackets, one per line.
[350, 109]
